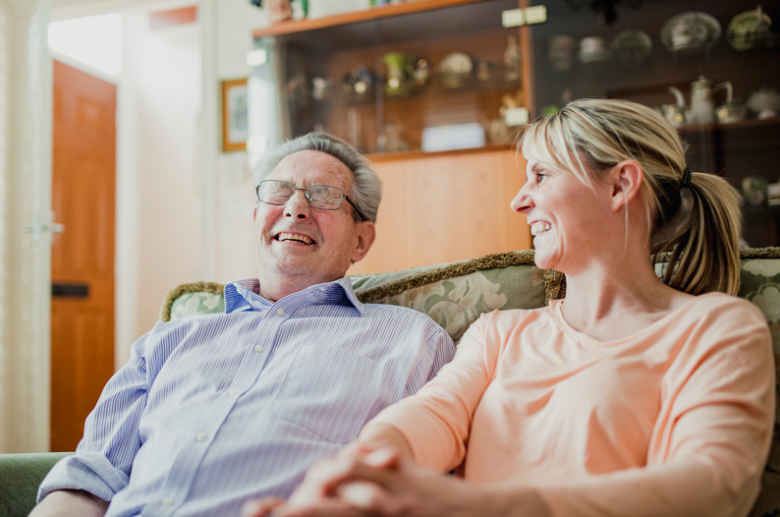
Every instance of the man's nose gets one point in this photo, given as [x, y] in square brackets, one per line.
[297, 207]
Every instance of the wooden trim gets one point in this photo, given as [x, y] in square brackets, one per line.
[527, 65]
[411, 155]
[173, 17]
[291, 26]
[229, 144]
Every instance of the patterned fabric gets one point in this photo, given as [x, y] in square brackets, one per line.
[455, 303]
[197, 303]
[761, 285]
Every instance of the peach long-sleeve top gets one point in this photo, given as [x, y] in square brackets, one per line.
[675, 419]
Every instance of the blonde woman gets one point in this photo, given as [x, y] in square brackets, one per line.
[633, 396]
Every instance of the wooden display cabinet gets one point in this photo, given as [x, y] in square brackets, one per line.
[325, 51]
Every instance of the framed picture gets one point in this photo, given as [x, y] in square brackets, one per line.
[235, 116]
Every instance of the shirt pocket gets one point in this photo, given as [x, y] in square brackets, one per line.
[331, 392]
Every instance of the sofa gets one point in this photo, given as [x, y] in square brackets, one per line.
[454, 295]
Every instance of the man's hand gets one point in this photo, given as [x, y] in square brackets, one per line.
[70, 503]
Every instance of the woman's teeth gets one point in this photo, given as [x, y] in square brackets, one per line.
[538, 228]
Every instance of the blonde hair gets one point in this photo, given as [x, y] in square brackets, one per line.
[695, 225]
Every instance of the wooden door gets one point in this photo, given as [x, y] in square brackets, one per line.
[82, 307]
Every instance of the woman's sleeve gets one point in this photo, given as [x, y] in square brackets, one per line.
[436, 421]
[713, 435]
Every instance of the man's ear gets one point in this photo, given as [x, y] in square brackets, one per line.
[365, 238]
[627, 177]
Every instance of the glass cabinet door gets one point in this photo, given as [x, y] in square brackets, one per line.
[712, 68]
[436, 75]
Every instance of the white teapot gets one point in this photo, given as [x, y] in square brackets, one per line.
[702, 103]
[702, 108]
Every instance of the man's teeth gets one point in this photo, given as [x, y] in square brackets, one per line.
[296, 237]
[538, 228]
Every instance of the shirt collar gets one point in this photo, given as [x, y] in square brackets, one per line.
[243, 295]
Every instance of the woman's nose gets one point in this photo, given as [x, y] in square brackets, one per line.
[522, 201]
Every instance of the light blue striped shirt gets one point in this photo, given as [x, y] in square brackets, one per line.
[213, 410]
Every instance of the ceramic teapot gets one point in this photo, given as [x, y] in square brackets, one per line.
[702, 103]
[731, 110]
[702, 108]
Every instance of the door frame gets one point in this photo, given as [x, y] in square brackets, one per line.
[25, 349]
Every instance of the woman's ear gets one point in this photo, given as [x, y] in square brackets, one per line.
[627, 177]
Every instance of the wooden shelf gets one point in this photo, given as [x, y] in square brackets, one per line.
[742, 124]
[409, 155]
[385, 11]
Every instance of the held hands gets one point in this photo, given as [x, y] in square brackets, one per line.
[362, 481]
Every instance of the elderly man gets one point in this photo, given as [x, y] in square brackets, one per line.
[212, 411]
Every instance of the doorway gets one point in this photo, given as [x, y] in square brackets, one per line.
[82, 272]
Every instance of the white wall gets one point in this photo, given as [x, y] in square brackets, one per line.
[236, 198]
[159, 186]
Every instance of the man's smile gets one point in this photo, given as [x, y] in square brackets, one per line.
[293, 237]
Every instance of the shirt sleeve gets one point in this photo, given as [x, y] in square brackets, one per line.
[104, 456]
[435, 350]
[436, 421]
[714, 431]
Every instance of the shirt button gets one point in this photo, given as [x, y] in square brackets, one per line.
[258, 348]
[167, 501]
[233, 392]
[201, 437]
[280, 312]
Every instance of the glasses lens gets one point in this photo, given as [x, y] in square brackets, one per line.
[322, 196]
[275, 192]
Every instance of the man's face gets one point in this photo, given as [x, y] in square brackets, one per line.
[298, 244]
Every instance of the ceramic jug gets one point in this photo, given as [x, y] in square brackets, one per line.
[702, 103]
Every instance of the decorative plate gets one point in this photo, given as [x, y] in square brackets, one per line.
[632, 47]
[749, 29]
[455, 69]
[690, 32]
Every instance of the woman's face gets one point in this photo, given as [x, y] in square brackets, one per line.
[566, 216]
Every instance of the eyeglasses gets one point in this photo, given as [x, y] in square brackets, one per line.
[321, 197]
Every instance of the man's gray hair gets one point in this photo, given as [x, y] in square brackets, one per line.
[366, 185]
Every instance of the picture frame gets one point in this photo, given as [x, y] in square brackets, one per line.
[235, 115]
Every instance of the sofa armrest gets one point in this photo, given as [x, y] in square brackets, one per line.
[20, 475]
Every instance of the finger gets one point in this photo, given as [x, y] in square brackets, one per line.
[261, 507]
[324, 508]
[384, 458]
[360, 494]
[323, 478]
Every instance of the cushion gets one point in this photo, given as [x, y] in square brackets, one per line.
[193, 298]
[20, 475]
[455, 294]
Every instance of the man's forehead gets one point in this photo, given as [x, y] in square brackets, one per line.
[311, 166]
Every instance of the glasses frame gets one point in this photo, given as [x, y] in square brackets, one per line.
[308, 198]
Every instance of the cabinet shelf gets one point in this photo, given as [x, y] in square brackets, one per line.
[376, 13]
[742, 124]
[330, 50]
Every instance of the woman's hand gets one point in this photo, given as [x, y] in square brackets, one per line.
[361, 483]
